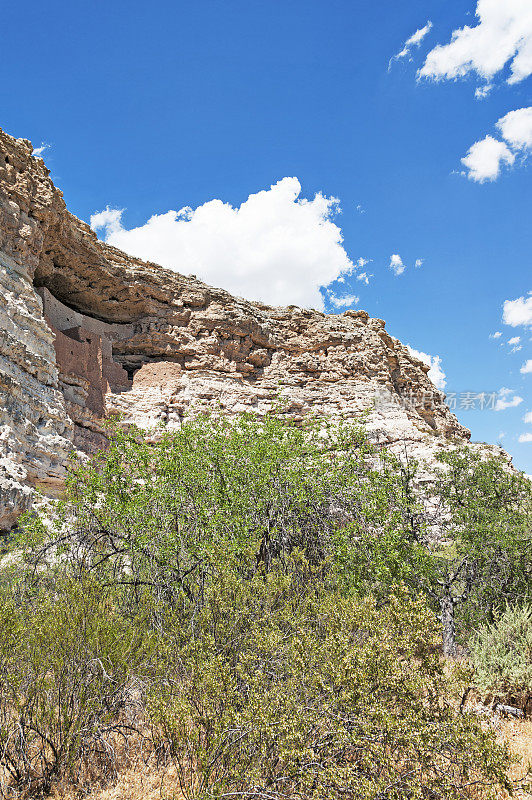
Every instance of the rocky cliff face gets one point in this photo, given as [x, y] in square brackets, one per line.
[87, 331]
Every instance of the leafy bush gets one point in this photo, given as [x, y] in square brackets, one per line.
[469, 554]
[501, 652]
[282, 692]
[159, 518]
[65, 663]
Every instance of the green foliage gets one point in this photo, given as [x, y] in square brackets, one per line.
[386, 543]
[501, 652]
[489, 530]
[284, 691]
[161, 517]
[262, 582]
[467, 549]
[65, 663]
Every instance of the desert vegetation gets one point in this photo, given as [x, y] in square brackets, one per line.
[266, 610]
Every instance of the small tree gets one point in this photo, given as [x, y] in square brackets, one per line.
[483, 561]
[464, 540]
[160, 517]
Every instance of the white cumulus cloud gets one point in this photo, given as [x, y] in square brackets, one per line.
[342, 301]
[507, 399]
[435, 373]
[526, 369]
[516, 128]
[483, 91]
[514, 344]
[412, 41]
[528, 417]
[502, 35]
[38, 151]
[276, 246]
[485, 158]
[523, 438]
[396, 264]
[518, 312]
[110, 221]
[496, 335]
[360, 263]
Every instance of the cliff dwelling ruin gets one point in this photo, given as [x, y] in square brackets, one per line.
[84, 356]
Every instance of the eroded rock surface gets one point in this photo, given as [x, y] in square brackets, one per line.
[87, 331]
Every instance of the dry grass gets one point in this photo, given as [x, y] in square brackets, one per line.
[518, 735]
[136, 783]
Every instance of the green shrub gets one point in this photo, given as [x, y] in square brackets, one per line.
[161, 517]
[279, 691]
[501, 652]
[66, 665]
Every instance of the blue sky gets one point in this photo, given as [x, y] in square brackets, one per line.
[149, 108]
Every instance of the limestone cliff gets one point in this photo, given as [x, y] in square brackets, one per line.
[86, 331]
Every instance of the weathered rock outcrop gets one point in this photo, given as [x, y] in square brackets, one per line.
[86, 331]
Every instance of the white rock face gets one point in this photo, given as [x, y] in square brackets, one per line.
[86, 331]
[35, 430]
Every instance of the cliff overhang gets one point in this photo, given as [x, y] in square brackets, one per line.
[87, 331]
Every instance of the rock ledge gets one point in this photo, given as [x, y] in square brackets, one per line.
[87, 331]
